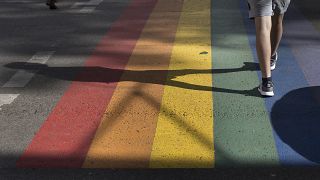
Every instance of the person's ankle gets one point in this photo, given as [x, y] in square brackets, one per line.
[266, 80]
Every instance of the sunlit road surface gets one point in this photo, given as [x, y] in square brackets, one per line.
[99, 85]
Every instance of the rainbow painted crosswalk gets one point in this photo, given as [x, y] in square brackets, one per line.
[175, 87]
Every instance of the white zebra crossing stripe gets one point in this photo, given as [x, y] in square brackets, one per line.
[87, 10]
[75, 5]
[17, 1]
[87, 7]
[94, 2]
[41, 57]
[7, 99]
[89, 3]
[22, 77]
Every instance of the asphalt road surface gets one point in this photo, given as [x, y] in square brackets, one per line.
[101, 85]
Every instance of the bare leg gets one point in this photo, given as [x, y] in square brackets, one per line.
[276, 33]
[263, 44]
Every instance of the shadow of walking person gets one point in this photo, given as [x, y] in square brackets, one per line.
[109, 75]
[296, 120]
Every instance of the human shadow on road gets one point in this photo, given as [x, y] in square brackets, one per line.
[296, 120]
[109, 75]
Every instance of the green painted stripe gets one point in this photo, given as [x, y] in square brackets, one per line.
[243, 134]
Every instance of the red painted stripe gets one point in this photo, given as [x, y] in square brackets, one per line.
[65, 137]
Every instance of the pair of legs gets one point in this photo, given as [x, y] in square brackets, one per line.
[51, 4]
[268, 17]
[268, 36]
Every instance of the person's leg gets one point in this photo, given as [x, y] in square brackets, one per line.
[263, 44]
[276, 32]
[261, 11]
[279, 9]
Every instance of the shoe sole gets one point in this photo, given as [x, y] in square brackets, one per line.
[273, 67]
[263, 93]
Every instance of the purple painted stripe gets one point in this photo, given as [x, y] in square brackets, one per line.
[304, 40]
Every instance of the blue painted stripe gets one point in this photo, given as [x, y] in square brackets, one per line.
[304, 40]
[287, 77]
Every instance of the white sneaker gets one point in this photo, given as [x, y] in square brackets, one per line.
[273, 61]
[266, 89]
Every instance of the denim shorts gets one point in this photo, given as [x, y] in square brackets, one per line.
[267, 7]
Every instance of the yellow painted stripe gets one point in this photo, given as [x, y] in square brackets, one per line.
[125, 135]
[184, 134]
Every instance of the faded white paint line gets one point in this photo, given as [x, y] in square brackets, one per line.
[75, 5]
[89, 3]
[22, 77]
[41, 57]
[17, 1]
[87, 10]
[7, 99]
[94, 2]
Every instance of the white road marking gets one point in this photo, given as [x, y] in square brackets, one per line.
[94, 2]
[22, 77]
[75, 5]
[17, 1]
[86, 9]
[7, 99]
[89, 3]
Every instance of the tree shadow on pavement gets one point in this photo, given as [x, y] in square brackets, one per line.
[109, 75]
[296, 120]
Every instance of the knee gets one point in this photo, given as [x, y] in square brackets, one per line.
[263, 24]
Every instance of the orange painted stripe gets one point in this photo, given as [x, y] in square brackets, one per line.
[125, 136]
